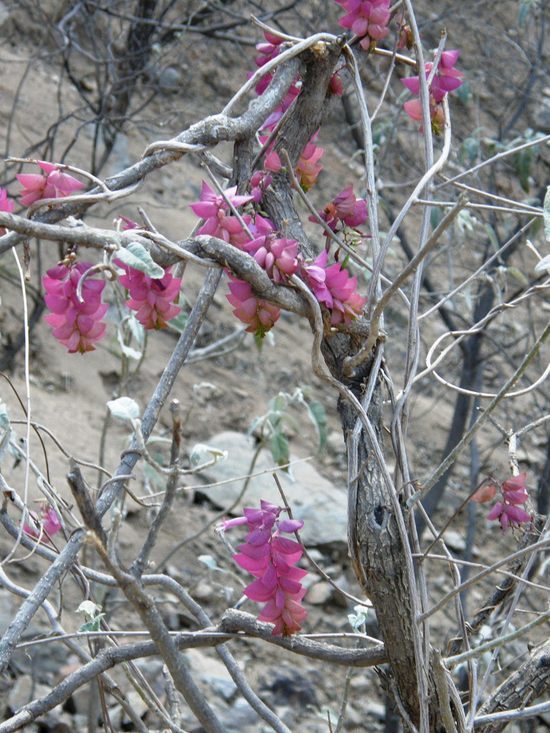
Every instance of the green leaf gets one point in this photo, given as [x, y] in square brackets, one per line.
[124, 408]
[518, 275]
[179, 323]
[492, 236]
[92, 625]
[278, 444]
[135, 255]
[547, 214]
[318, 417]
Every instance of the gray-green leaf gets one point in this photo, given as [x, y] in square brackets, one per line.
[135, 255]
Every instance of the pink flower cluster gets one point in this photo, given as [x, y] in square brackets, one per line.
[271, 559]
[258, 314]
[278, 257]
[508, 511]
[214, 209]
[152, 299]
[76, 322]
[6, 205]
[445, 80]
[334, 288]
[50, 184]
[267, 52]
[345, 209]
[368, 19]
[50, 522]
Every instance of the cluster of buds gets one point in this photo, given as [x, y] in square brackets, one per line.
[74, 300]
[368, 19]
[446, 79]
[271, 559]
[508, 511]
[52, 183]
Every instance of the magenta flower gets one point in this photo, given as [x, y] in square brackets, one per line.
[308, 166]
[50, 521]
[213, 208]
[75, 323]
[270, 558]
[344, 208]
[334, 288]
[278, 257]
[446, 79]
[6, 204]
[152, 299]
[258, 314]
[50, 184]
[128, 223]
[508, 511]
[368, 19]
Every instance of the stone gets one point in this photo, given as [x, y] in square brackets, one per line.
[321, 505]
[21, 693]
[320, 593]
[212, 672]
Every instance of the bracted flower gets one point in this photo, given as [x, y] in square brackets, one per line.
[308, 166]
[213, 208]
[334, 288]
[259, 315]
[50, 522]
[278, 257]
[153, 299]
[6, 204]
[271, 559]
[368, 19]
[76, 322]
[508, 511]
[50, 184]
[344, 208]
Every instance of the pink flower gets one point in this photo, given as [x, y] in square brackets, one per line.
[308, 166]
[334, 288]
[278, 257]
[344, 208]
[6, 205]
[508, 512]
[152, 299]
[213, 208]
[368, 19]
[260, 315]
[75, 323]
[50, 521]
[270, 558]
[50, 184]
[508, 515]
[446, 79]
[128, 223]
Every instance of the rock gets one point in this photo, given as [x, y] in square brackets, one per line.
[376, 710]
[289, 687]
[320, 593]
[212, 672]
[241, 717]
[455, 540]
[21, 693]
[321, 505]
[170, 80]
